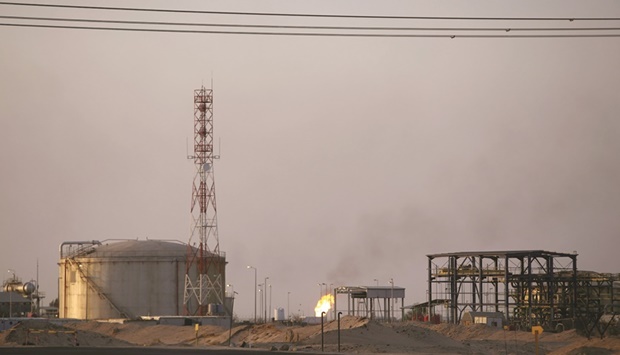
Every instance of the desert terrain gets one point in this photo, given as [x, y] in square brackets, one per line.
[358, 335]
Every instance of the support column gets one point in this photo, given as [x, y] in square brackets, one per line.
[480, 285]
[574, 301]
[506, 290]
[430, 287]
[551, 284]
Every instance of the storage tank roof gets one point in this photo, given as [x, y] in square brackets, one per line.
[139, 248]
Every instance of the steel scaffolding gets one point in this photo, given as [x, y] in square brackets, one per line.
[530, 287]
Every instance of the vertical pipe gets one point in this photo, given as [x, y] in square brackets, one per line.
[551, 285]
[86, 308]
[348, 303]
[529, 289]
[37, 292]
[430, 287]
[176, 282]
[63, 301]
[474, 287]
[506, 290]
[574, 301]
[480, 284]
[496, 285]
[453, 290]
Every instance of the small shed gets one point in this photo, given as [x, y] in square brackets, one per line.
[492, 319]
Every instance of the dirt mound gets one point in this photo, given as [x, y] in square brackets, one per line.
[146, 334]
[358, 334]
[587, 350]
[460, 332]
[368, 336]
[49, 334]
[594, 346]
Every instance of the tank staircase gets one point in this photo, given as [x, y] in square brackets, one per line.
[98, 290]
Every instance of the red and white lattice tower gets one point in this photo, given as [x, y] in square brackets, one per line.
[204, 277]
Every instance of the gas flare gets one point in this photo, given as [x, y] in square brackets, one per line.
[324, 305]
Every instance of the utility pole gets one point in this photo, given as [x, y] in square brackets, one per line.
[288, 305]
[260, 290]
[265, 295]
[270, 301]
[255, 287]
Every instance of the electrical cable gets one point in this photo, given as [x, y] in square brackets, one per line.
[239, 13]
[310, 34]
[368, 28]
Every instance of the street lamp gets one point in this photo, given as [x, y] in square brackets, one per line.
[260, 290]
[255, 287]
[288, 305]
[377, 281]
[265, 295]
[269, 299]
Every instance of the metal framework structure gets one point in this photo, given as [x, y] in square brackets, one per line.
[598, 301]
[204, 259]
[366, 301]
[530, 287]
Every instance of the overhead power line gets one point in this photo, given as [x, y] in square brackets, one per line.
[306, 27]
[276, 14]
[309, 34]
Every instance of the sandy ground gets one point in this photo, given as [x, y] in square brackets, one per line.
[358, 335]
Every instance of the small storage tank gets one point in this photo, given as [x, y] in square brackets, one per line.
[278, 314]
[124, 279]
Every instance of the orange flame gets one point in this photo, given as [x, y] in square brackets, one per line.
[324, 305]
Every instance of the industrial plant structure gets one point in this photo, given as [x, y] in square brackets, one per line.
[374, 302]
[125, 279]
[19, 299]
[132, 278]
[530, 287]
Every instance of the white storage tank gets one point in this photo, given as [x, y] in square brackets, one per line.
[123, 279]
[278, 314]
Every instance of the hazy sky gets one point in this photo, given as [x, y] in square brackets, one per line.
[343, 159]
